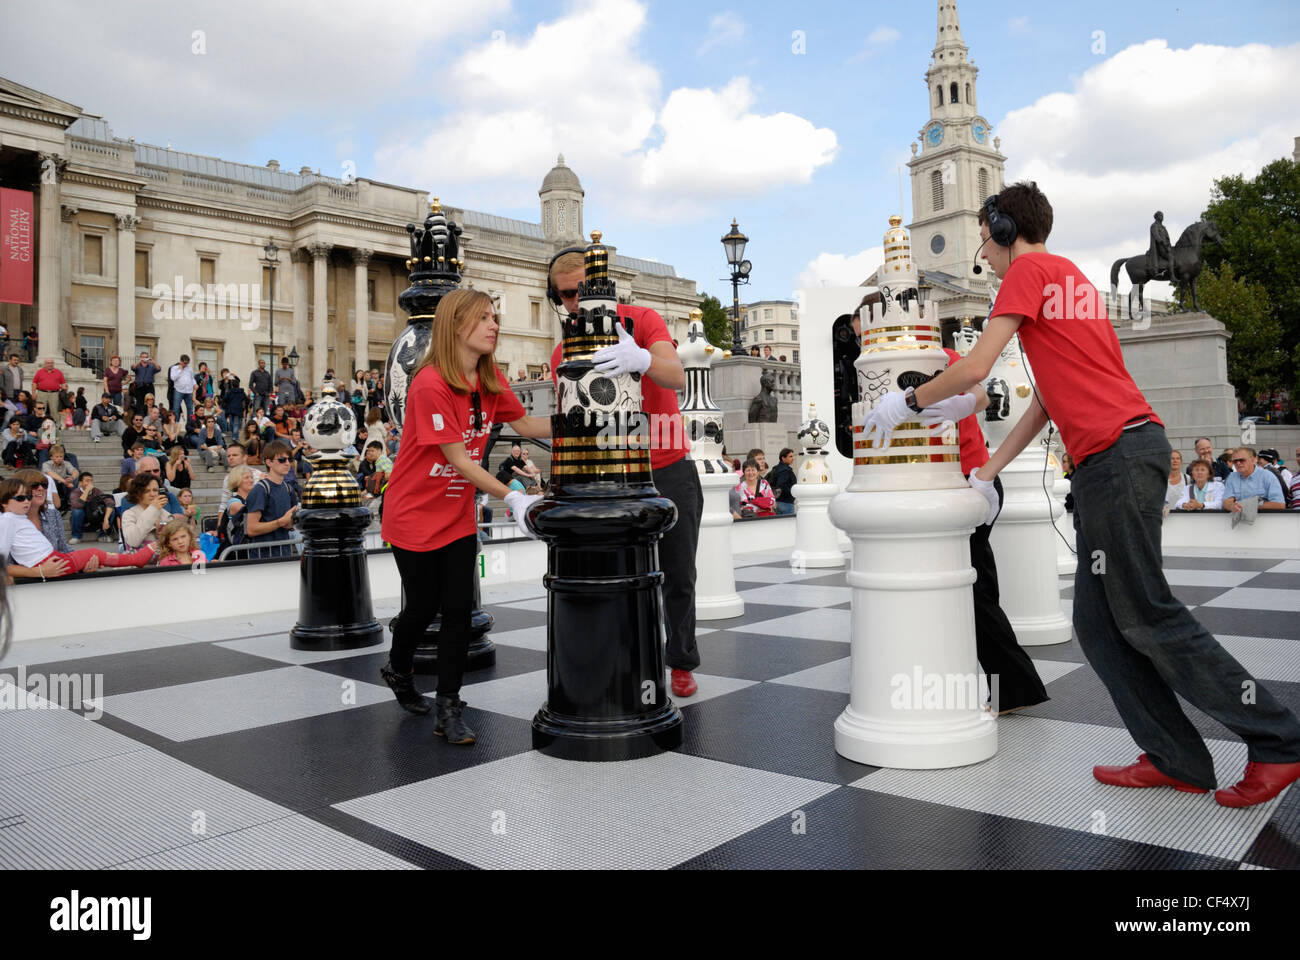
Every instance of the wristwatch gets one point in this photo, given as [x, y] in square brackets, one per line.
[909, 396]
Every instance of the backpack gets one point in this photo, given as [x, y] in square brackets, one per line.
[1286, 491]
[230, 530]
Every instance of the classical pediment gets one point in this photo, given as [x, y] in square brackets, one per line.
[34, 105]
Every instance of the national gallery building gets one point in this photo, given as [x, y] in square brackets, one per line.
[136, 247]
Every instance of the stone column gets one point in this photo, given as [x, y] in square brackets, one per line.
[126, 224]
[301, 283]
[320, 254]
[48, 287]
[361, 257]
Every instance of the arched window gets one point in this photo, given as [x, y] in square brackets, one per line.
[968, 93]
[952, 92]
[983, 184]
[936, 189]
[938, 93]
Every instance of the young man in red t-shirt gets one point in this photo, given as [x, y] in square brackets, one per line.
[650, 351]
[1144, 645]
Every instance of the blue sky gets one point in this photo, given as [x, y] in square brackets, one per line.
[656, 102]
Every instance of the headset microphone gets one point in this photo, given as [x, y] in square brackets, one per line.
[975, 267]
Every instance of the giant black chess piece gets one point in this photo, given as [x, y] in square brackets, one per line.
[602, 520]
[434, 266]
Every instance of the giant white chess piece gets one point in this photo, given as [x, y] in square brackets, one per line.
[1024, 538]
[914, 700]
[816, 543]
[715, 575]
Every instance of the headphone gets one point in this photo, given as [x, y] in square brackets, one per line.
[552, 294]
[1002, 230]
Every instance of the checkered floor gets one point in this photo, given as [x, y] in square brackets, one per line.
[216, 745]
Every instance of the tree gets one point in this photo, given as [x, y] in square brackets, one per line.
[717, 322]
[1254, 363]
[1259, 221]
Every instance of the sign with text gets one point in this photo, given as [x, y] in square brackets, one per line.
[17, 246]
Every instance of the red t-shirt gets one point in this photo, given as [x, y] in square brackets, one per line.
[974, 451]
[428, 504]
[48, 380]
[668, 442]
[1068, 340]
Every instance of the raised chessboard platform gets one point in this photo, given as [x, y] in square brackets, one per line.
[220, 747]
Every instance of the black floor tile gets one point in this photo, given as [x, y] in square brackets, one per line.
[754, 613]
[753, 656]
[1229, 621]
[1217, 563]
[1278, 844]
[160, 667]
[772, 726]
[853, 829]
[1195, 596]
[391, 843]
[1275, 581]
[322, 760]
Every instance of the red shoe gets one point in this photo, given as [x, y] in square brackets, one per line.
[1142, 774]
[684, 684]
[1263, 781]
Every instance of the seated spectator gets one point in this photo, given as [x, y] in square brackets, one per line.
[280, 421]
[147, 513]
[374, 470]
[62, 474]
[272, 503]
[32, 555]
[1203, 492]
[173, 432]
[178, 545]
[42, 508]
[236, 457]
[212, 445]
[760, 458]
[301, 465]
[513, 465]
[149, 467]
[104, 418]
[154, 444]
[1268, 460]
[20, 446]
[80, 410]
[756, 498]
[179, 473]
[1205, 451]
[782, 480]
[134, 432]
[92, 508]
[253, 451]
[1250, 481]
[189, 509]
[530, 473]
[1177, 485]
[33, 421]
[230, 525]
[132, 462]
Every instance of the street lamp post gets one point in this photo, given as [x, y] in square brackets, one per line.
[271, 259]
[734, 244]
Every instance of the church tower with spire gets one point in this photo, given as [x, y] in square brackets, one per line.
[958, 164]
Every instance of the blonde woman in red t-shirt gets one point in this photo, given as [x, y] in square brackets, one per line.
[456, 394]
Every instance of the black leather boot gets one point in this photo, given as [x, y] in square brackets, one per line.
[449, 724]
[404, 688]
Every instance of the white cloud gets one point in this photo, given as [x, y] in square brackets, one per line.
[724, 29]
[878, 40]
[1150, 128]
[136, 63]
[838, 270]
[519, 103]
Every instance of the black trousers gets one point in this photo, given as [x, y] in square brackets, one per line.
[436, 581]
[1000, 654]
[680, 483]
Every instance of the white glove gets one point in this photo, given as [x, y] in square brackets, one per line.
[519, 502]
[885, 417]
[986, 489]
[954, 409]
[624, 357]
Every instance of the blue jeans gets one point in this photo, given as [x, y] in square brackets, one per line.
[784, 509]
[1146, 646]
[78, 521]
[183, 398]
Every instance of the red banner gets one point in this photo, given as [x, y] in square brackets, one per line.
[17, 246]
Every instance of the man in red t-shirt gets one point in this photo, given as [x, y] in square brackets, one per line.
[650, 351]
[48, 381]
[1145, 646]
